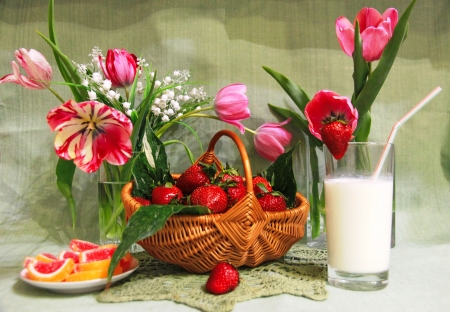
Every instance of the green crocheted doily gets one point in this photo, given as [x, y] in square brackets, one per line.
[302, 272]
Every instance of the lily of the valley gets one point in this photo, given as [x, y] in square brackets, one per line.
[35, 65]
[327, 106]
[90, 132]
[375, 30]
[231, 105]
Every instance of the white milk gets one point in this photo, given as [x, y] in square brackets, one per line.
[358, 224]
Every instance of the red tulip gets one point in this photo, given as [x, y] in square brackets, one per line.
[231, 105]
[90, 132]
[120, 67]
[327, 106]
[270, 139]
[35, 65]
[375, 29]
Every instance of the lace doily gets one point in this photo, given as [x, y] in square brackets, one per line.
[302, 272]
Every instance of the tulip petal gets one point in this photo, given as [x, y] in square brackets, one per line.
[90, 132]
[345, 34]
[270, 140]
[373, 41]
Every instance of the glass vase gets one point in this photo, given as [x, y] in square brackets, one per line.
[112, 219]
[315, 226]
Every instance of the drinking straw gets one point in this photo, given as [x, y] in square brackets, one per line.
[399, 123]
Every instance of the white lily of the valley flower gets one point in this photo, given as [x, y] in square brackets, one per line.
[106, 85]
[97, 77]
[157, 84]
[85, 82]
[156, 110]
[126, 105]
[129, 112]
[186, 98]
[167, 80]
[170, 112]
[175, 105]
[92, 95]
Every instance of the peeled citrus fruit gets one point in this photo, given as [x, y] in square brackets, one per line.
[55, 271]
[66, 254]
[93, 265]
[81, 245]
[97, 254]
[46, 257]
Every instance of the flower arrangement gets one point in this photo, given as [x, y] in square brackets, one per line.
[331, 119]
[115, 99]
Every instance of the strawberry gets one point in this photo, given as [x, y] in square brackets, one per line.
[273, 201]
[261, 185]
[195, 176]
[211, 196]
[143, 201]
[166, 194]
[336, 135]
[224, 277]
[235, 193]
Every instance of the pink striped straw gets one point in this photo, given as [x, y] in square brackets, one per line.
[399, 123]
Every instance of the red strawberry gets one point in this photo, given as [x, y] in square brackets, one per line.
[274, 201]
[336, 135]
[224, 277]
[166, 194]
[211, 196]
[235, 193]
[195, 176]
[143, 201]
[261, 185]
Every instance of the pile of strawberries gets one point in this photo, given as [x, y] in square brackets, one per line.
[201, 185]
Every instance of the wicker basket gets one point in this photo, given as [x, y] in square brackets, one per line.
[244, 235]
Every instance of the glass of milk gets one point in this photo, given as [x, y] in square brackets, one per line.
[358, 205]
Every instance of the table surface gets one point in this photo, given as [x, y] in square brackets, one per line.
[418, 281]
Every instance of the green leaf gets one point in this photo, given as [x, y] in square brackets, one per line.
[151, 167]
[281, 175]
[360, 67]
[376, 80]
[65, 170]
[186, 148]
[295, 92]
[145, 222]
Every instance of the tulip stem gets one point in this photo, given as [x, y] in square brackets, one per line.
[56, 94]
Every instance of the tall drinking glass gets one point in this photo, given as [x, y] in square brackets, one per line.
[358, 199]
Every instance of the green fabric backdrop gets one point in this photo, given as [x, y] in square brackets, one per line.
[221, 42]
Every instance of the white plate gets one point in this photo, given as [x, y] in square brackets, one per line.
[77, 287]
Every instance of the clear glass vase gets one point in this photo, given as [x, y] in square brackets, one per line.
[112, 219]
[315, 226]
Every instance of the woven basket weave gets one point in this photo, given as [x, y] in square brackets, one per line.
[244, 235]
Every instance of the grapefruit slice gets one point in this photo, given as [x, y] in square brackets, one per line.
[97, 254]
[93, 265]
[81, 245]
[66, 254]
[86, 275]
[46, 257]
[55, 271]
[27, 261]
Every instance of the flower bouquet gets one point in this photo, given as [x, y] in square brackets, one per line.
[115, 100]
[331, 119]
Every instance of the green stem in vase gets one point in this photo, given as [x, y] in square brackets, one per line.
[314, 198]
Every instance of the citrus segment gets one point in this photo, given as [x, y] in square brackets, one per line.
[46, 257]
[125, 262]
[86, 275]
[81, 245]
[93, 265]
[55, 271]
[66, 254]
[27, 261]
[97, 254]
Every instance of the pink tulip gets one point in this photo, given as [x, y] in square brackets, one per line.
[120, 67]
[270, 139]
[376, 30]
[327, 106]
[231, 105]
[90, 132]
[35, 65]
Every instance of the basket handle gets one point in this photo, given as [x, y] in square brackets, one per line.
[242, 151]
